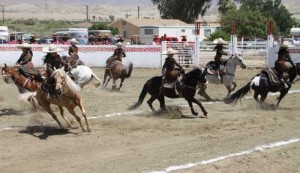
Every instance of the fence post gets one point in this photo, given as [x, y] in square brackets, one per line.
[197, 43]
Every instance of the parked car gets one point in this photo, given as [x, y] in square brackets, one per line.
[46, 41]
[296, 41]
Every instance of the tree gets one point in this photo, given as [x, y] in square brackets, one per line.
[185, 10]
[226, 5]
[103, 26]
[249, 23]
[272, 9]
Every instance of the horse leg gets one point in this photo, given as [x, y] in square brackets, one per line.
[282, 94]
[71, 110]
[49, 110]
[121, 83]
[234, 86]
[202, 91]
[161, 100]
[84, 115]
[114, 85]
[61, 110]
[150, 101]
[193, 100]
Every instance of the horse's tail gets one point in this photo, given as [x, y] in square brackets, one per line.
[28, 98]
[141, 98]
[97, 79]
[239, 94]
[129, 70]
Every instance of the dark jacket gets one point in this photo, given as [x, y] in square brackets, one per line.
[25, 59]
[52, 62]
[219, 52]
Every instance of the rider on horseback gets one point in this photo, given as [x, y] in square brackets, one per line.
[73, 59]
[219, 61]
[169, 73]
[25, 64]
[281, 65]
[53, 61]
[119, 53]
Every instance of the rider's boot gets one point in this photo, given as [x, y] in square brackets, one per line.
[285, 85]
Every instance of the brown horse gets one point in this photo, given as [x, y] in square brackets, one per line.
[66, 95]
[117, 70]
[24, 84]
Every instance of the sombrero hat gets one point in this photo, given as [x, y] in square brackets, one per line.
[51, 49]
[286, 44]
[73, 40]
[24, 45]
[119, 44]
[170, 51]
[219, 41]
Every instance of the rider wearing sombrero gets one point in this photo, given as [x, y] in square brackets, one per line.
[281, 63]
[118, 55]
[73, 59]
[25, 64]
[219, 53]
[53, 61]
[169, 73]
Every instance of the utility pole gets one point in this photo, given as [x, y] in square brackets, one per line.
[87, 13]
[2, 14]
[138, 12]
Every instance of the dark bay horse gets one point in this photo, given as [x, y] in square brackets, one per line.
[189, 81]
[67, 94]
[24, 84]
[261, 86]
[115, 71]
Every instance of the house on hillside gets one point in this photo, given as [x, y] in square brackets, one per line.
[143, 30]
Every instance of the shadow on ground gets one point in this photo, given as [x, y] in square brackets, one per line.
[43, 132]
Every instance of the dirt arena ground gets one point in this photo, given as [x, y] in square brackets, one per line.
[243, 138]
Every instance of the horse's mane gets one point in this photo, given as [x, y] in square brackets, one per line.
[70, 83]
[192, 74]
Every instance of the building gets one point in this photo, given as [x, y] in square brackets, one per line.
[143, 30]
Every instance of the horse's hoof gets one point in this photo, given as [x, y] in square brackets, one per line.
[195, 113]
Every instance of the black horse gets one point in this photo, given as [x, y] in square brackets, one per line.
[154, 87]
[261, 86]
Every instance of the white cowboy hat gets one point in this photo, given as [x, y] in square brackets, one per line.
[119, 44]
[73, 40]
[24, 45]
[170, 51]
[219, 41]
[51, 49]
[286, 44]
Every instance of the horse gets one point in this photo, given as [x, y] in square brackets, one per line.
[115, 71]
[83, 75]
[67, 94]
[189, 83]
[23, 83]
[227, 78]
[261, 85]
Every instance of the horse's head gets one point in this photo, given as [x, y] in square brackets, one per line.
[198, 75]
[6, 74]
[59, 78]
[63, 84]
[238, 60]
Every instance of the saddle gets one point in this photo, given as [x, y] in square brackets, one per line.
[213, 69]
[31, 73]
[272, 76]
[172, 81]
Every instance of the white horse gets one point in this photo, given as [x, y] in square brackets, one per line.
[83, 75]
[227, 78]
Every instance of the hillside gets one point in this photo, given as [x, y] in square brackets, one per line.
[76, 9]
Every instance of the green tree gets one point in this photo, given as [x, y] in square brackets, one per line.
[249, 23]
[272, 9]
[103, 26]
[226, 5]
[185, 10]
